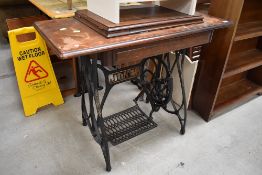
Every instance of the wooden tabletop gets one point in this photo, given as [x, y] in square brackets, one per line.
[59, 8]
[70, 38]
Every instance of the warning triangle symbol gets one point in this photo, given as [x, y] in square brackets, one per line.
[35, 72]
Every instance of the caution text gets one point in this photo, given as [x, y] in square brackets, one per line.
[30, 53]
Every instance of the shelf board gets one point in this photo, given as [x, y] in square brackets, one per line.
[236, 92]
[243, 61]
[248, 30]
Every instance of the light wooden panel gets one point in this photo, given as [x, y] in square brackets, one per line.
[189, 77]
[59, 8]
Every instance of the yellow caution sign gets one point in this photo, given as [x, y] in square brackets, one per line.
[34, 72]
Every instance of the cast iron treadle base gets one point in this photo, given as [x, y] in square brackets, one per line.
[127, 124]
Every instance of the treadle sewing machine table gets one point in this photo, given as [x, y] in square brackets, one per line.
[70, 38]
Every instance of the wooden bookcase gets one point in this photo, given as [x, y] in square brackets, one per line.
[230, 70]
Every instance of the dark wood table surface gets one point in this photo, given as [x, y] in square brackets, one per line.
[70, 38]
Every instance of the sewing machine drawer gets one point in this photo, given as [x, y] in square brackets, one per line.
[136, 54]
[132, 55]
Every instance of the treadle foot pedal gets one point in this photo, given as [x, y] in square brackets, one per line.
[127, 124]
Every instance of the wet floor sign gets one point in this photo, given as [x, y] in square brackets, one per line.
[34, 72]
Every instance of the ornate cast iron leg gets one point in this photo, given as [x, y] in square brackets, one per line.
[157, 84]
[95, 124]
[104, 142]
[180, 63]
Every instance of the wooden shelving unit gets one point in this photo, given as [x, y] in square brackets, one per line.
[230, 70]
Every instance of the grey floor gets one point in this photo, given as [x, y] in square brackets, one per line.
[53, 142]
